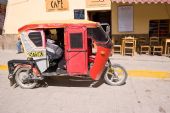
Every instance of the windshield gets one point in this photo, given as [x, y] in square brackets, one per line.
[98, 34]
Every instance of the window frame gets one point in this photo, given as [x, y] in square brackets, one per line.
[42, 37]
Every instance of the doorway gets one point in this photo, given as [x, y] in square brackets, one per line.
[100, 16]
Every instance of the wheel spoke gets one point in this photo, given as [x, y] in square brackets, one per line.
[22, 78]
[115, 75]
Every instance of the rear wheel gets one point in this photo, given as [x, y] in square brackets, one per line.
[115, 75]
[23, 78]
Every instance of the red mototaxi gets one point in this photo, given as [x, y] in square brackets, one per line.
[78, 52]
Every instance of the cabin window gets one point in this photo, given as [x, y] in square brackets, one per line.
[97, 34]
[36, 38]
[76, 40]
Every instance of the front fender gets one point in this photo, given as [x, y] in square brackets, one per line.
[101, 58]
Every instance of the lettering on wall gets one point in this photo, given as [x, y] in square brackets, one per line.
[56, 5]
[98, 3]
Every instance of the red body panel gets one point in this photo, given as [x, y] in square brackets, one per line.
[99, 62]
[77, 65]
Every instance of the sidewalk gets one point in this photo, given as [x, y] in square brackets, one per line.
[144, 65]
[139, 65]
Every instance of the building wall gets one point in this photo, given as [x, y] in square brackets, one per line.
[21, 12]
[2, 16]
[142, 14]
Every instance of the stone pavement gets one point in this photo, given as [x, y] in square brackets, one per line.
[138, 65]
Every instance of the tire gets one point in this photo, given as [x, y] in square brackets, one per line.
[113, 76]
[23, 73]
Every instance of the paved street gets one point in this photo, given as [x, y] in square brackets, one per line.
[70, 95]
[63, 95]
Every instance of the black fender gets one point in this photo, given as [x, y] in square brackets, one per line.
[14, 65]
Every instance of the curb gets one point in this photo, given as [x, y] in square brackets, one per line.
[3, 67]
[149, 73]
[135, 73]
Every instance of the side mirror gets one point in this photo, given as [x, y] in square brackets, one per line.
[108, 29]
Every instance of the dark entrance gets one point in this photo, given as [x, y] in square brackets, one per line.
[100, 16]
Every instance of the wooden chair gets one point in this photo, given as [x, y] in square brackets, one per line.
[155, 45]
[168, 51]
[117, 47]
[144, 46]
[129, 46]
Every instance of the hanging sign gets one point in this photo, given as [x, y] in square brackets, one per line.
[98, 3]
[56, 5]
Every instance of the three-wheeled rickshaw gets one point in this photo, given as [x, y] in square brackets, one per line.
[75, 39]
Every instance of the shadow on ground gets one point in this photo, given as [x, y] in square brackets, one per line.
[67, 81]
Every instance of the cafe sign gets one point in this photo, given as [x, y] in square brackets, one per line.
[98, 3]
[56, 5]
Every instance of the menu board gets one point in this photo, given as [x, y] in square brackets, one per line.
[125, 18]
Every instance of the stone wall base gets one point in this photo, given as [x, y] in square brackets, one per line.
[8, 42]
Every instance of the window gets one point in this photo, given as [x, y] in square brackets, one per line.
[36, 38]
[76, 40]
[159, 28]
[79, 14]
[125, 18]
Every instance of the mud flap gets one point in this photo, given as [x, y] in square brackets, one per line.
[11, 80]
[99, 82]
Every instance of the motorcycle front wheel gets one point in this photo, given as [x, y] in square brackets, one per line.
[115, 75]
[22, 78]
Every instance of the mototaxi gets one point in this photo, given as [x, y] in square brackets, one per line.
[77, 38]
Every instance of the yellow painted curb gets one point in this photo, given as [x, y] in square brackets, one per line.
[3, 67]
[149, 73]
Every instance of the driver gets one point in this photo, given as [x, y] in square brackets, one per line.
[55, 52]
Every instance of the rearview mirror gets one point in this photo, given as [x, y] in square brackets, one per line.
[108, 29]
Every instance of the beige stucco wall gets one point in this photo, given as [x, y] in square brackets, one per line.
[21, 12]
[142, 14]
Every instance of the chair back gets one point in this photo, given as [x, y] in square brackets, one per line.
[142, 41]
[129, 45]
[129, 41]
[154, 41]
[116, 41]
